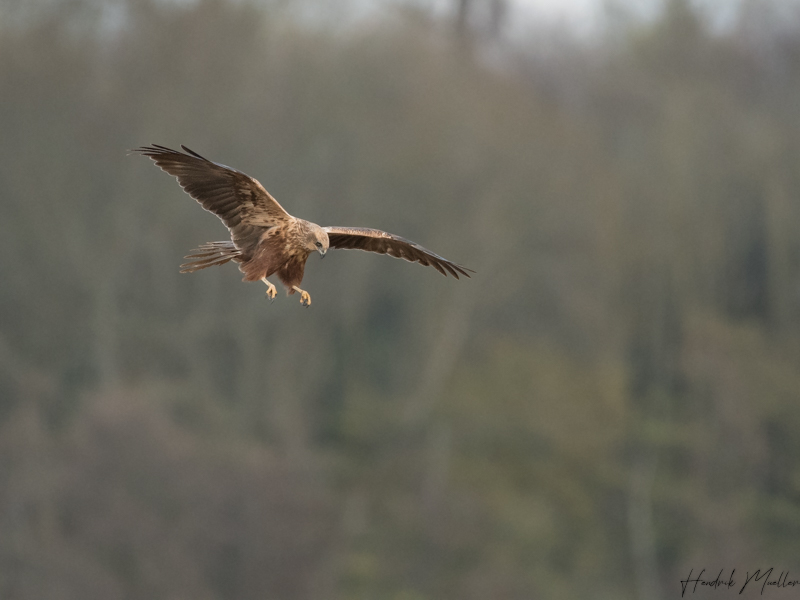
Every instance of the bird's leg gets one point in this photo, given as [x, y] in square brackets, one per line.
[271, 291]
[305, 298]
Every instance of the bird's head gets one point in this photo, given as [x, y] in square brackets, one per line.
[318, 240]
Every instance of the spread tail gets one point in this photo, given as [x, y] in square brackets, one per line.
[210, 254]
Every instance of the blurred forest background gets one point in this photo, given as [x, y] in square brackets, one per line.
[613, 399]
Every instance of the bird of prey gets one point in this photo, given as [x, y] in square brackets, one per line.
[265, 239]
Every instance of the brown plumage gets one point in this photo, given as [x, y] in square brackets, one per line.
[265, 239]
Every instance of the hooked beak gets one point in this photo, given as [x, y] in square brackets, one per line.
[321, 253]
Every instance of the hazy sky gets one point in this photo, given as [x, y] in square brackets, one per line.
[581, 14]
[585, 14]
[573, 9]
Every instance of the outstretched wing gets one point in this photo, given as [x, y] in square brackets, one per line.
[241, 202]
[375, 240]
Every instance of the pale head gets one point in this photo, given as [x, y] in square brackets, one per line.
[317, 239]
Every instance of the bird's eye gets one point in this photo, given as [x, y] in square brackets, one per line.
[319, 244]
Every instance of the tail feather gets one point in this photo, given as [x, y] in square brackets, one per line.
[210, 254]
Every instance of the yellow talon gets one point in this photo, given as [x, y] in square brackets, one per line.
[271, 291]
[305, 298]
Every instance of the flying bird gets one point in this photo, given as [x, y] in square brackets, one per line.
[265, 239]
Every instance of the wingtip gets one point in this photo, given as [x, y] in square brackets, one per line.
[193, 153]
[148, 150]
[157, 150]
[456, 270]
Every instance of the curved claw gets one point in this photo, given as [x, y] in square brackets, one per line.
[305, 298]
[271, 291]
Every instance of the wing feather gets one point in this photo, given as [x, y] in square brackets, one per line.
[240, 201]
[375, 240]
